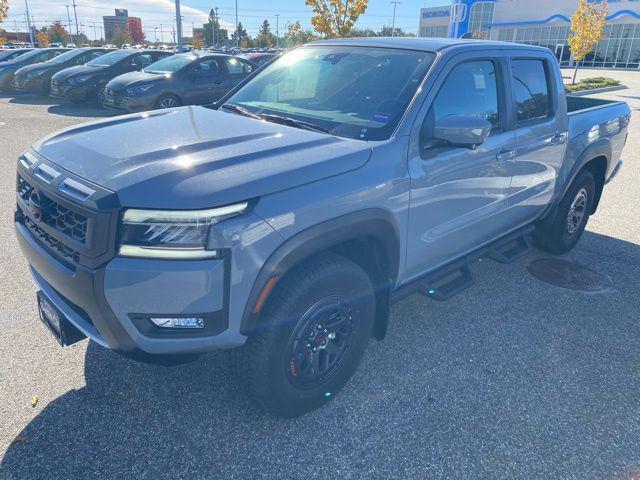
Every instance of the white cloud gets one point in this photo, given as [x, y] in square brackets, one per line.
[154, 13]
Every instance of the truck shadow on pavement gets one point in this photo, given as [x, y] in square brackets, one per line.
[512, 379]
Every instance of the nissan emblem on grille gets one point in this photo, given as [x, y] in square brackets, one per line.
[35, 204]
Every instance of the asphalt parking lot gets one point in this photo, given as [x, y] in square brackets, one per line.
[513, 378]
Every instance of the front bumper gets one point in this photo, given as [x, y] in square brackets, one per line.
[31, 85]
[128, 104]
[111, 304]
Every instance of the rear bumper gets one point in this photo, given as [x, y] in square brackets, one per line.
[111, 304]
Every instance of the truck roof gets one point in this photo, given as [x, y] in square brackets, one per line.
[426, 44]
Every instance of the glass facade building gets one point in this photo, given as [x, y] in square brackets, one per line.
[541, 23]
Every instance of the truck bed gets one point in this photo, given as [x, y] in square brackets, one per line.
[575, 104]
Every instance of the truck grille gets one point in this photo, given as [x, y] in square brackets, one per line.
[53, 214]
[68, 255]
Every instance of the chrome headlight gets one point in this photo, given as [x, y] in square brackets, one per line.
[179, 234]
[133, 91]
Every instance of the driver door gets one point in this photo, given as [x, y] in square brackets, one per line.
[459, 194]
[206, 80]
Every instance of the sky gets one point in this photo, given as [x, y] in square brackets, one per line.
[161, 14]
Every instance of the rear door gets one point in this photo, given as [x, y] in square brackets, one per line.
[541, 134]
[458, 194]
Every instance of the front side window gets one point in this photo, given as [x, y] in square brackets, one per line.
[470, 90]
[207, 68]
[355, 92]
[531, 90]
[237, 67]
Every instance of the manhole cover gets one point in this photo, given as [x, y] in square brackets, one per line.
[566, 274]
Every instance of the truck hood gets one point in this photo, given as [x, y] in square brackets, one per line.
[134, 79]
[195, 157]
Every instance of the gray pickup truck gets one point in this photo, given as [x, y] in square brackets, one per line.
[286, 218]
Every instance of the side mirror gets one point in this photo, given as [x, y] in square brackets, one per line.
[462, 130]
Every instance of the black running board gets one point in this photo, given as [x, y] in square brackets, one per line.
[448, 281]
[511, 248]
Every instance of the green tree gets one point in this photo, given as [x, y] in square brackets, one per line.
[239, 34]
[57, 33]
[120, 37]
[387, 31]
[587, 23]
[265, 38]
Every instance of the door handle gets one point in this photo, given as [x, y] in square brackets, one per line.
[558, 138]
[505, 155]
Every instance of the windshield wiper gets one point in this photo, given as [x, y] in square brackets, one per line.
[241, 110]
[292, 122]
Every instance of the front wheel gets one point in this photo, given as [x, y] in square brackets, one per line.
[562, 230]
[315, 329]
[167, 101]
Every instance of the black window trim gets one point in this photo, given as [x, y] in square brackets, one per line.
[550, 89]
[501, 93]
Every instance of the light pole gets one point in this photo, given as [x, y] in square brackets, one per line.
[68, 19]
[75, 16]
[393, 23]
[237, 39]
[179, 25]
[155, 34]
[277, 30]
[26, 7]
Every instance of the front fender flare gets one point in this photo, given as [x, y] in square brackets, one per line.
[377, 224]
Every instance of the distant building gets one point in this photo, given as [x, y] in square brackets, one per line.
[120, 21]
[544, 23]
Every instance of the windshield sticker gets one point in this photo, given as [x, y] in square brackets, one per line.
[381, 117]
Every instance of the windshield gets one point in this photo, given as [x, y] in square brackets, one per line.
[63, 57]
[171, 64]
[110, 58]
[356, 92]
[27, 55]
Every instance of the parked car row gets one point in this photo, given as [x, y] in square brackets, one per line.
[125, 79]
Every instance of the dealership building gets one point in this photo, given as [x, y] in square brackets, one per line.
[543, 22]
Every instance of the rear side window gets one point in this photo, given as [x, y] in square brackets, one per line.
[470, 89]
[531, 90]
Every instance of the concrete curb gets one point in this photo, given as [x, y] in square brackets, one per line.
[613, 88]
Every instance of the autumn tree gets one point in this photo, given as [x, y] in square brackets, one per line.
[57, 33]
[197, 43]
[587, 23]
[335, 18]
[43, 39]
[4, 9]
[136, 33]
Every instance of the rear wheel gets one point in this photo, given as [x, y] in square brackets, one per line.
[168, 100]
[561, 231]
[316, 327]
